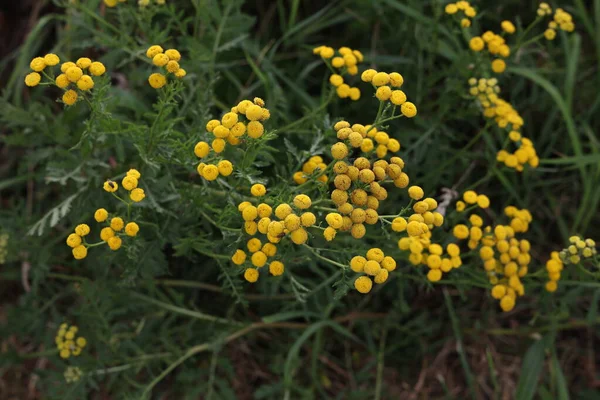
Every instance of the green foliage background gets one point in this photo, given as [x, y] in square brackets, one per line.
[171, 316]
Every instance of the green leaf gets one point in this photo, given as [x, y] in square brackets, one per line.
[531, 370]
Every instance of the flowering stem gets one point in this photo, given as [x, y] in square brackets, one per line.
[532, 40]
[337, 264]
[525, 32]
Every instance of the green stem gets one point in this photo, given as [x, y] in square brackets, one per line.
[337, 264]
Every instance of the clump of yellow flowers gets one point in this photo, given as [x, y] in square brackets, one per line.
[141, 3]
[73, 79]
[562, 20]
[244, 119]
[505, 258]
[578, 251]
[289, 220]
[486, 92]
[344, 62]
[67, 341]
[314, 166]
[463, 11]
[169, 60]
[116, 227]
[376, 265]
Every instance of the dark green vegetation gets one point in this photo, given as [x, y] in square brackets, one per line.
[162, 317]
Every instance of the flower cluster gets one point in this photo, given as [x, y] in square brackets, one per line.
[245, 118]
[496, 46]
[383, 84]
[130, 183]
[72, 77]
[169, 60]
[506, 117]
[3, 247]
[72, 374]
[313, 167]
[358, 192]
[360, 136]
[344, 62]
[544, 9]
[504, 257]
[578, 250]
[462, 9]
[116, 226]
[76, 241]
[258, 219]
[473, 199]
[67, 343]
[376, 265]
[562, 20]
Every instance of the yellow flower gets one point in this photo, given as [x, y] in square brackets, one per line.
[33, 79]
[434, 275]
[408, 109]
[82, 229]
[225, 167]
[117, 223]
[302, 201]
[398, 97]
[83, 62]
[380, 79]
[114, 243]
[79, 252]
[37, 64]
[131, 229]
[508, 27]
[476, 43]
[339, 151]
[239, 257]
[415, 192]
[255, 129]
[465, 22]
[251, 275]
[137, 195]
[157, 80]
[329, 233]
[498, 66]
[110, 186]
[172, 66]
[461, 231]
[276, 268]
[153, 51]
[74, 74]
[180, 73]
[66, 65]
[336, 80]
[363, 284]
[451, 8]
[550, 34]
[258, 259]
[85, 83]
[367, 75]
[70, 97]
[507, 303]
[62, 81]
[110, 3]
[258, 190]
[173, 54]
[73, 240]
[129, 182]
[254, 112]
[106, 233]
[51, 59]
[383, 93]
[97, 68]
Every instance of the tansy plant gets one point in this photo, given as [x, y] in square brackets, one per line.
[336, 192]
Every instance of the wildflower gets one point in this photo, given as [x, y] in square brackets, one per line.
[251, 275]
[114, 243]
[69, 97]
[276, 268]
[415, 192]
[508, 27]
[157, 80]
[85, 83]
[82, 229]
[498, 66]
[476, 43]
[97, 68]
[408, 109]
[67, 343]
[363, 284]
[32, 79]
[137, 195]
[73, 374]
[132, 229]
[80, 252]
[73, 240]
[106, 233]
[117, 223]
